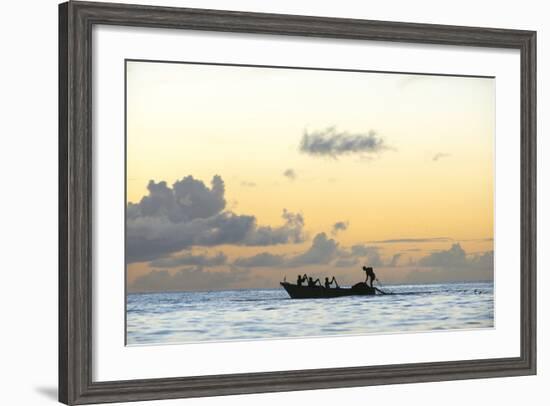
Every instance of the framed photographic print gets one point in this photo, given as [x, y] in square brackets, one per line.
[258, 202]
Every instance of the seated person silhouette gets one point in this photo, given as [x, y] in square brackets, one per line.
[327, 283]
[311, 283]
[301, 280]
[369, 275]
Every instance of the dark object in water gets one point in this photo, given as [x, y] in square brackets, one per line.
[320, 292]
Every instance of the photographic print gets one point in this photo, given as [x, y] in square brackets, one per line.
[284, 202]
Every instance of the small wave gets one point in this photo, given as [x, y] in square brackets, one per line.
[262, 300]
[411, 293]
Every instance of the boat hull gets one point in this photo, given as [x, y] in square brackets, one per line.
[320, 292]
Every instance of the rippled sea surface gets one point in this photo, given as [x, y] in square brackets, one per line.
[160, 318]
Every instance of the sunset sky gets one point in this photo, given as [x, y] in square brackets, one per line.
[274, 172]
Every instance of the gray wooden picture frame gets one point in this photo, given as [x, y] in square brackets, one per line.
[76, 20]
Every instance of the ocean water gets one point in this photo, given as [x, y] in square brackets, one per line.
[161, 318]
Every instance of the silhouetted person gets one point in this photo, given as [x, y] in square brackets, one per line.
[301, 280]
[311, 283]
[328, 283]
[369, 275]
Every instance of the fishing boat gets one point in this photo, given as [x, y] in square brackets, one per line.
[320, 292]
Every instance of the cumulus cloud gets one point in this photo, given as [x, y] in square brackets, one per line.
[455, 256]
[484, 260]
[333, 143]
[454, 265]
[290, 174]
[171, 219]
[322, 251]
[374, 258]
[395, 260]
[346, 263]
[264, 259]
[369, 255]
[440, 155]
[186, 200]
[188, 279]
[360, 250]
[188, 259]
[290, 231]
[339, 226]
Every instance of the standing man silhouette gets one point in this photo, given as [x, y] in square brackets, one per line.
[369, 274]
